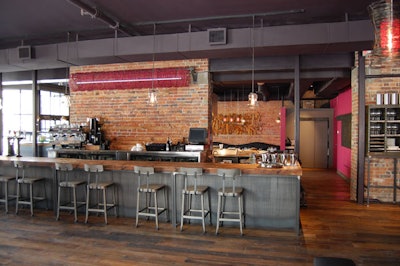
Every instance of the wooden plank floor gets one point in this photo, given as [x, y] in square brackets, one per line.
[331, 226]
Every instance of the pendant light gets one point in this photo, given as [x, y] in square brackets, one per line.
[67, 94]
[152, 93]
[253, 97]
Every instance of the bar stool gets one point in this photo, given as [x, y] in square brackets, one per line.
[234, 192]
[5, 180]
[191, 191]
[64, 182]
[150, 190]
[94, 184]
[30, 181]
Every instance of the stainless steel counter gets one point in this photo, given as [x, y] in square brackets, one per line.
[174, 156]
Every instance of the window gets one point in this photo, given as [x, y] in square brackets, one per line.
[17, 112]
[53, 105]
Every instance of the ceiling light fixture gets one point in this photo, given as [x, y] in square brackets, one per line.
[152, 101]
[252, 95]
[385, 16]
[67, 94]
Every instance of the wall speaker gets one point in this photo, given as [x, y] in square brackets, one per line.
[24, 52]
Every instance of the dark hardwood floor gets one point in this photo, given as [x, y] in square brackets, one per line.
[332, 225]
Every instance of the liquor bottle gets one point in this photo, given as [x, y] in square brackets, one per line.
[168, 145]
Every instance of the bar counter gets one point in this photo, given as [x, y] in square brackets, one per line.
[271, 200]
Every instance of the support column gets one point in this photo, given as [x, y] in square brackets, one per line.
[35, 112]
[297, 104]
[361, 129]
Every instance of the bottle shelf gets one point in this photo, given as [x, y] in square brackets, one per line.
[383, 129]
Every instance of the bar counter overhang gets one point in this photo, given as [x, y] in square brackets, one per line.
[272, 195]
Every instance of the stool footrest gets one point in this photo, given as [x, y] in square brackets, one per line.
[143, 212]
[27, 200]
[70, 205]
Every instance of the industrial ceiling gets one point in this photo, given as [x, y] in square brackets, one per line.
[262, 41]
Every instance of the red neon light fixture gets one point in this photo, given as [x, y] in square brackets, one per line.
[385, 15]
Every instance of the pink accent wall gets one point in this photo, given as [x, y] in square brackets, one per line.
[342, 155]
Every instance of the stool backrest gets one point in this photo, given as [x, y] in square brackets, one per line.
[192, 173]
[65, 168]
[147, 170]
[231, 174]
[20, 166]
[93, 168]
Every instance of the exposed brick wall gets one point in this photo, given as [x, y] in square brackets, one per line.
[381, 169]
[269, 131]
[127, 118]
[354, 134]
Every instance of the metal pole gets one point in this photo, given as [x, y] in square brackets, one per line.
[297, 105]
[361, 129]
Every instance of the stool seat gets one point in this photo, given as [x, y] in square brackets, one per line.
[196, 191]
[5, 180]
[100, 185]
[231, 192]
[149, 190]
[29, 180]
[64, 172]
[71, 183]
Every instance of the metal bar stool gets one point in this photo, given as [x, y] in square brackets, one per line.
[21, 180]
[94, 184]
[234, 192]
[64, 182]
[5, 180]
[150, 190]
[191, 191]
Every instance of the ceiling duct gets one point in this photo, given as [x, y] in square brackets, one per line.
[98, 14]
[217, 36]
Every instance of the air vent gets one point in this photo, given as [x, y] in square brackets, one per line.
[24, 52]
[217, 36]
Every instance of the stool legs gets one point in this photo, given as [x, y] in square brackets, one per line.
[65, 207]
[102, 206]
[17, 198]
[87, 203]
[187, 213]
[146, 211]
[31, 196]
[221, 213]
[240, 203]
[6, 198]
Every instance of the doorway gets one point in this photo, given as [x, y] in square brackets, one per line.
[314, 142]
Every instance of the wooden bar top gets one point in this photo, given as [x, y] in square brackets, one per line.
[167, 167]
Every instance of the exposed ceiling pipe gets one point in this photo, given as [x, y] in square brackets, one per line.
[325, 86]
[273, 13]
[290, 90]
[96, 13]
